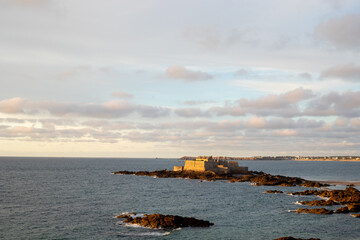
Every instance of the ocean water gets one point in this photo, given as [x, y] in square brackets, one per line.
[78, 198]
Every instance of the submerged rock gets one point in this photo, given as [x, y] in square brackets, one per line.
[315, 211]
[273, 191]
[166, 221]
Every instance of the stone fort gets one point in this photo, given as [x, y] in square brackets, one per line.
[207, 163]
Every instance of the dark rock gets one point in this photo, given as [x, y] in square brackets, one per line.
[353, 207]
[315, 211]
[273, 191]
[342, 210]
[307, 192]
[348, 196]
[123, 216]
[167, 221]
[291, 238]
[277, 180]
[319, 203]
[313, 184]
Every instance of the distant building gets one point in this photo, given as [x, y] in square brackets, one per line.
[207, 163]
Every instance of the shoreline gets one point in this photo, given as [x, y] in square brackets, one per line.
[324, 160]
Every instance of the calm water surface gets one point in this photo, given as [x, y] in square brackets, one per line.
[64, 198]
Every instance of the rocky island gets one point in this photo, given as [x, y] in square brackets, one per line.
[159, 221]
[207, 168]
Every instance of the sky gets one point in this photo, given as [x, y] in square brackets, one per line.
[166, 78]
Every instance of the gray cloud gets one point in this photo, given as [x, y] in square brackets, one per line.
[182, 73]
[152, 112]
[241, 73]
[190, 112]
[111, 109]
[347, 72]
[343, 32]
[276, 105]
[335, 104]
[305, 76]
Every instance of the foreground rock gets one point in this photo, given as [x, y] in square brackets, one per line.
[353, 207]
[349, 208]
[291, 238]
[322, 211]
[159, 221]
[319, 203]
[257, 178]
[342, 210]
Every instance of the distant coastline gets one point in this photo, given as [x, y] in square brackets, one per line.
[287, 158]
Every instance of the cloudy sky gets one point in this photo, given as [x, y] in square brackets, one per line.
[166, 78]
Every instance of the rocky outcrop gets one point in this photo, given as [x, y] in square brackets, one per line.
[319, 203]
[273, 191]
[342, 210]
[321, 211]
[291, 238]
[257, 178]
[355, 215]
[312, 184]
[159, 221]
[348, 196]
[353, 207]
[306, 192]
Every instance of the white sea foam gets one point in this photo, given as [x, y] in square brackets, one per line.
[325, 198]
[142, 227]
[152, 233]
[133, 215]
[134, 225]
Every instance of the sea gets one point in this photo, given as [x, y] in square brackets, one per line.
[79, 198]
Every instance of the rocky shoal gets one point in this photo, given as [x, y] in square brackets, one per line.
[257, 178]
[349, 197]
[159, 221]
